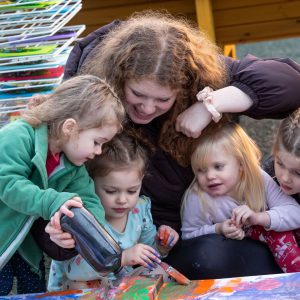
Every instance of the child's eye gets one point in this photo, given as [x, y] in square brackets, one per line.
[297, 173]
[132, 192]
[279, 163]
[110, 191]
[219, 167]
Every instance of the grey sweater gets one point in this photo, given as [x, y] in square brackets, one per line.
[200, 214]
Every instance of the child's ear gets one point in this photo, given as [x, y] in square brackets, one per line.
[69, 127]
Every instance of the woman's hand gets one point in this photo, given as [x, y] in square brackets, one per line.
[140, 254]
[229, 99]
[65, 209]
[166, 238]
[193, 120]
[230, 230]
[59, 237]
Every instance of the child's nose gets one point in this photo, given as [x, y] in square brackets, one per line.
[210, 174]
[122, 199]
[285, 176]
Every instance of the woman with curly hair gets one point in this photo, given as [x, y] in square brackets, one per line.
[157, 65]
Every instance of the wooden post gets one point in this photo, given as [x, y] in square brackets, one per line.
[229, 50]
[205, 18]
[206, 23]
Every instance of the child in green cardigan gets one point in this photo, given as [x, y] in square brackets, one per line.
[42, 169]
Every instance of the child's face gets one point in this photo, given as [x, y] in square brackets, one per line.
[287, 171]
[119, 192]
[221, 173]
[82, 146]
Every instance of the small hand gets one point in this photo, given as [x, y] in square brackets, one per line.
[243, 215]
[193, 120]
[140, 254]
[166, 237]
[64, 209]
[231, 231]
[59, 237]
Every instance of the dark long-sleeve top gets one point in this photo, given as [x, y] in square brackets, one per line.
[272, 84]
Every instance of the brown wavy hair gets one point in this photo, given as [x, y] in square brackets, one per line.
[288, 134]
[157, 46]
[123, 151]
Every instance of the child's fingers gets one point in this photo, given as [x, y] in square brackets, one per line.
[55, 220]
[65, 208]
[150, 260]
[245, 217]
[165, 237]
[64, 243]
[238, 234]
[171, 240]
[77, 199]
[151, 253]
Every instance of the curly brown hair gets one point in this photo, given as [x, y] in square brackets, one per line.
[170, 51]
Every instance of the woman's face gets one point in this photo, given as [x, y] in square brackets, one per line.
[145, 100]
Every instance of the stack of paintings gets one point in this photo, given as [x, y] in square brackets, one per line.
[34, 45]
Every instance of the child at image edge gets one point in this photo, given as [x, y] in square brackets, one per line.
[42, 170]
[118, 174]
[233, 196]
[284, 164]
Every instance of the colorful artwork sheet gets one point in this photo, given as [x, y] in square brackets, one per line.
[63, 33]
[24, 4]
[139, 287]
[15, 12]
[58, 61]
[29, 28]
[36, 14]
[43, 52]
[8, 97]
[264, 287]
[25, 51]
[29, 85]
[34, 47]
[32, 75]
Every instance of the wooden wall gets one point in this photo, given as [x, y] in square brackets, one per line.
[234, 21]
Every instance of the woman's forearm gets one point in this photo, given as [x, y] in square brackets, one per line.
[231, 100]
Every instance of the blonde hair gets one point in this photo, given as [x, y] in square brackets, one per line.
[123, 151]
[288, 135]
[235, 141]
[87, 99]
[156, 46]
